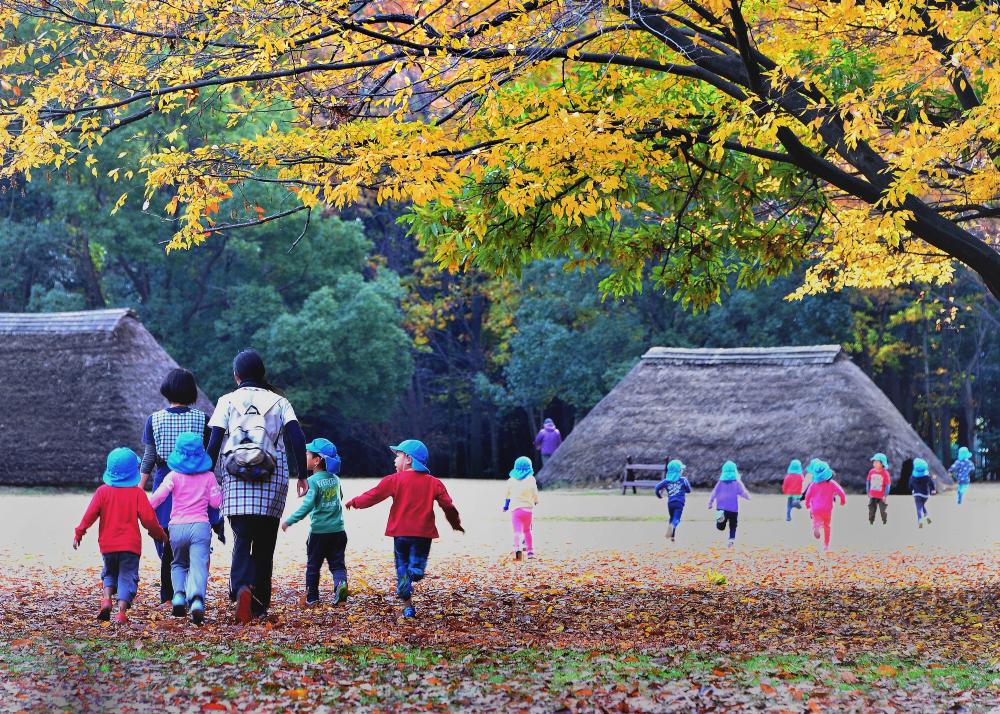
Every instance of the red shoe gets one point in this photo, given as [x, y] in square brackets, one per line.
[121, 618]
[105, 613]
[244, 598]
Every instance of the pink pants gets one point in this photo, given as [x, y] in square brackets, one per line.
[521, 518]
[821, 521]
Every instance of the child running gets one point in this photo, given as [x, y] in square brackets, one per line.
[877, 487]
[726, 495]
[677, 488]
[820, 497]
[411, 517]
[327, 538]
[194, 491]
[792, 487]
[922, 487]
[120, 503]
[522, 496]
[962, 471]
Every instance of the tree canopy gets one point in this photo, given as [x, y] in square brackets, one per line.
[685, 140]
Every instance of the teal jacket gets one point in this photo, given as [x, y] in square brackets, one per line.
[325, 502]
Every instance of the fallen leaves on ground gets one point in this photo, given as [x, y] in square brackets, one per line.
[688, 631]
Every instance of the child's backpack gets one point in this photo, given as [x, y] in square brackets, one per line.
[251, 452]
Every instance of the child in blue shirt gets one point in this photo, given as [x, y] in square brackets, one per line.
[962, 471]
[677, 488]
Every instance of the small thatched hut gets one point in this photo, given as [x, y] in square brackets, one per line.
[74, 385]
[760, 407]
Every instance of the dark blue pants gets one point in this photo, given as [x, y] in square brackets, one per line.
[921, 503]
[411, 555]
[324, 548]
[121, 574]
[254, 538]
[675, 509]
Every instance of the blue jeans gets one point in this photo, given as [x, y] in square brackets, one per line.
[191, 544]
[962, 488]
[121, 574]
[921, 503]
[411, 555]
[675, 509]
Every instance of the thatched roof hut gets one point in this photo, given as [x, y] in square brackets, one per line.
[760, 407]
[74, 386]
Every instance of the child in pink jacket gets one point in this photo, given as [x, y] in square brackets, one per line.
[820, 497]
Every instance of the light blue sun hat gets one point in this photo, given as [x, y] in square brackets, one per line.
[122, 468]
[729, 472]
[522, 468]
[417, 452]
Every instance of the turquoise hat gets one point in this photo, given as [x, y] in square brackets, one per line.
[674, 469]
[729, 472]
[326, 449]
[522, 468]
[189, 456]
[881, 457]
[964, 453]
[920, 467]
[415, 450]
[821, 471]
[795, 467]
[122, 469]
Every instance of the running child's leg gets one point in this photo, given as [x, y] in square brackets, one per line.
[733, 518]
[401, 553]
[337, 563]
[525, 518]
[516, 525]
[788, 508]
[180, 544]
[199, 552]
[314, 564]
[419, 552]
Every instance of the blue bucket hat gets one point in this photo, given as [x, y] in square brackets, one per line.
[881, 457]
[729, 472]
[522, 468]
[964, 453]
[674, 469]
[821, 471]
[415, 450]
[189, 456]
[122, 469]
[326, 449]
[795, 467]
[919, 467]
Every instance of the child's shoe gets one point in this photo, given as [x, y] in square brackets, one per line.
[732, 542]
[409, 611]
[928, 519]
[816, 533]
[104, 614]
[244, 601]
[517, 555]
[121, 618]
[920, 523]
[340, 592]
[670, 531]
[179, 604]
[531, 554]
[197, 611]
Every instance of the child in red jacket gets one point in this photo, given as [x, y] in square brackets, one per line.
[792, 487]
[823, 491]
[877, 487]
[411, 518]
[120, 503]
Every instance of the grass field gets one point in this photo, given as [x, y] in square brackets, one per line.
[609, 617]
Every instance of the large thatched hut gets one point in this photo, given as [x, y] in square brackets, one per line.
[74, 385]
[760, 407]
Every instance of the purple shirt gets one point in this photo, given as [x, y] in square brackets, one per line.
[548, 440]
[727, 494]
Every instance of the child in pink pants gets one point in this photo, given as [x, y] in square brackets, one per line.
[820, 498]
[522, 496]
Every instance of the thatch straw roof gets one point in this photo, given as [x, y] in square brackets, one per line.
[760, 407]
[74, 386]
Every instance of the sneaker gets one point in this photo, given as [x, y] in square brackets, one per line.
[788, 519]
[517, 555]
[531, 554]
[105, 612]
[920, 523]
[312, 602]
[121, 618]
[179, 604]
[732, 542]
[928, 519]
[244, 600]
[409, 611]
[197, 611]
[670, 531]
[340, 592]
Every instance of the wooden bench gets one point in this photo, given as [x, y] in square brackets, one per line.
[632, 470]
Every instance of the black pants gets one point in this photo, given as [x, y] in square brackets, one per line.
[880, 505]
[254, 538]
[732, 518]
[166, 583]
[324, 548]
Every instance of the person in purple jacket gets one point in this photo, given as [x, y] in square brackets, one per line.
[548, 440]
[726, 497]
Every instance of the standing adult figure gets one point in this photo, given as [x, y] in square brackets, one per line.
[548, 440]
[160, 434]
[255, 431]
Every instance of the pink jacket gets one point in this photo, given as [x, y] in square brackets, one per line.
[193, 495]
[820, 496]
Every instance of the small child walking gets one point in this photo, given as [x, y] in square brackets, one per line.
[522, 496]
[922, 487]
[820, 498]
[677, 488]
[411, 517]
[877, 487]
[792, 488]
[120, 505]
[726, 495]
[327, 537]
[194, 490]
[962, 471]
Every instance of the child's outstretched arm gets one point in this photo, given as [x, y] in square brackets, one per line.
[89, 516]
[447, 505]
[147, 516]
[160, 494]
[839, 492]
[308, 504]
[369, 498]
[711, 499]
[742, 492]
[685, 485]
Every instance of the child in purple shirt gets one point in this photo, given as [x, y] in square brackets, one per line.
[726, 497]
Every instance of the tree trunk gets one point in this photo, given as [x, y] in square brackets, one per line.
[87, 272]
